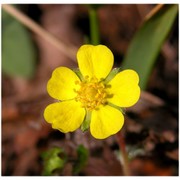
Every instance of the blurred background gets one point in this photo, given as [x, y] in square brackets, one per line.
[151, 126]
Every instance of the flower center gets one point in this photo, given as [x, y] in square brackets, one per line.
[91, 93]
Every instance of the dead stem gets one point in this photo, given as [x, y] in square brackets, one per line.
[122, 148]
[68, 50]
[153, 11]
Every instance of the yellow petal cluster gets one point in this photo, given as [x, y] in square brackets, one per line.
[91, 94]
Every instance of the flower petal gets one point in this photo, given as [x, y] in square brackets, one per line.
[95, 61]
[65, 116]
[124, 88]
[62, 84]
[105, 122]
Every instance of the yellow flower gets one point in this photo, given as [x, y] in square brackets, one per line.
[91, 95]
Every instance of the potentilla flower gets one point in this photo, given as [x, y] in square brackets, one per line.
[91, 98]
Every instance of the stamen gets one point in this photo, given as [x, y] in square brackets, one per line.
[91, 93]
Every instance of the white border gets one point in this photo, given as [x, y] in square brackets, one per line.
[90, 2]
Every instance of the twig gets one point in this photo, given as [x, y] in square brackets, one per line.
[122, 147]
[69, 51]
[153, 11]
[152, 98]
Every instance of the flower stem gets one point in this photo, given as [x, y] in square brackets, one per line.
[122, 147]
[94, 28]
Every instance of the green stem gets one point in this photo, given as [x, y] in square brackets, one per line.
[94, 28]
[122, 147]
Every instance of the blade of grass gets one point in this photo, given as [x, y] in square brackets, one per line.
[147, 42]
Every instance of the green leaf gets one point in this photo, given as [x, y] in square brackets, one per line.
[112, 74]
[78, 73]
[122, 110]
[18, 50]
[86, 123]
[146, 44]
[52, 161]
[82, 159]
